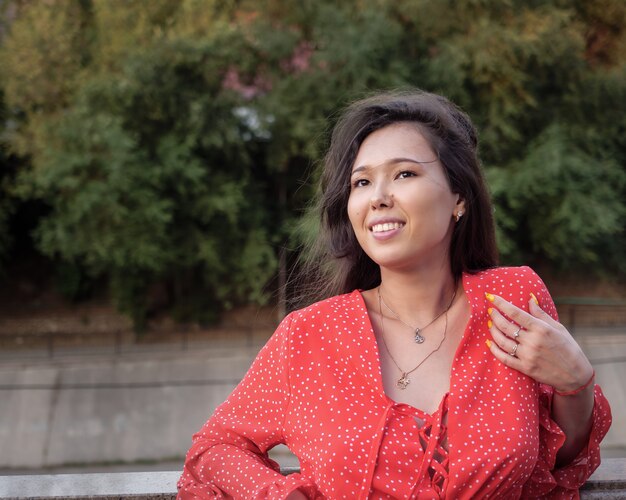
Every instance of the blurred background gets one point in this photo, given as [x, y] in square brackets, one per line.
[157, 158]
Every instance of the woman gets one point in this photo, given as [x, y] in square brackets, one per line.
[429, 372]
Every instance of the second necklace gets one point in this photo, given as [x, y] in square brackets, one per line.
[404, 379]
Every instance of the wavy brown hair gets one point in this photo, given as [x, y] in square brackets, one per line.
[335, 262]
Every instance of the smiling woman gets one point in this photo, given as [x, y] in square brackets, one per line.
[399, 207]
[424, 371]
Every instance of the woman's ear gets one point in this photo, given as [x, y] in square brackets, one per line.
[459, 208]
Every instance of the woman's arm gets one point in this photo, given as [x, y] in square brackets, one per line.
[544, 350]
[573, 415]
[228, 457]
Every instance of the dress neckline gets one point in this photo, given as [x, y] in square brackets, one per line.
[378, 374]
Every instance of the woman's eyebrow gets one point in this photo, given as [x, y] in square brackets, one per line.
[392, 161]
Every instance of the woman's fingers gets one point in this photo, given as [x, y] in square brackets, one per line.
[536, 310]
[522, 318]
[503, 341]
[512, 330]
[520, 321]
[504, 357]
[534, 344]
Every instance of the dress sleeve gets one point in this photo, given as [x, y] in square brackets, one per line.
[228, 457]
[564, 482]
[546, 480]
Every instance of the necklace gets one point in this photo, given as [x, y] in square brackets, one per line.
[419, 338]
[404, 379]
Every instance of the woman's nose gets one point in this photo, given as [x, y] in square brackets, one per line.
[381, 197]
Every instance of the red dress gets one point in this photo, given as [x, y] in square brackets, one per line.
[316, 386]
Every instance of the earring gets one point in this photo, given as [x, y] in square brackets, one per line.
[458, 216]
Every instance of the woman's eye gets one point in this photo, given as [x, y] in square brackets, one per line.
[405, 173]
[360, 183]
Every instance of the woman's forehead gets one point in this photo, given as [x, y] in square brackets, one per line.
[402, 140]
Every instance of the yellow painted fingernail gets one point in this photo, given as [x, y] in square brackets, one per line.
[532, 296]
[489, 311]
[488, 342]
[490, 297]
[489, 324]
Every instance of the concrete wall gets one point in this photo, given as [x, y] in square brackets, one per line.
[112, 409]
[146, 405]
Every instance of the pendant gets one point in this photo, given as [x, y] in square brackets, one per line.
[418, 337]
[403, 381]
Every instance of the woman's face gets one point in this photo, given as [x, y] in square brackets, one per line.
[400, 206]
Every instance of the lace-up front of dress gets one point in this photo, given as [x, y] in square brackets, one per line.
[412, 461]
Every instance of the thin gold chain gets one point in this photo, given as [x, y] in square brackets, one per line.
[416, 330]
[403, 381]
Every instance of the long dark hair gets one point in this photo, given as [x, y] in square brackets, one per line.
[336, 263]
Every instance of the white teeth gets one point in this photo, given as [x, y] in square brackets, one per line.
[387, 226]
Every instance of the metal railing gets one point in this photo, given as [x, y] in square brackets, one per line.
[50, 345]
[589, 313]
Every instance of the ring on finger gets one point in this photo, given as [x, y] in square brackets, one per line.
[516, 333]
[514, 351]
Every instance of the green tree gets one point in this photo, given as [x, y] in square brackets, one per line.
[148, 178]
[173, 142]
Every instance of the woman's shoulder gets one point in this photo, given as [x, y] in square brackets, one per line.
[505, 275]
[508, 282]
[346, 303]
[330, 321]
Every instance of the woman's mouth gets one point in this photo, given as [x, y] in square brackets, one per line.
[387, 226]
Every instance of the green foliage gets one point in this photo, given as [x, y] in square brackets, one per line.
[148, 176]
[554, 198]
[172, 141]
[339, 53]
[509, 67]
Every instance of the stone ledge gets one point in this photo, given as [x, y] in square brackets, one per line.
[136, 485]
[608, 482]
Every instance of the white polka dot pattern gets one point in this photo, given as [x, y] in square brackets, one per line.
[317, 387]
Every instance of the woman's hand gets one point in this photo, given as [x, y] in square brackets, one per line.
[542, 348]
[536, 345]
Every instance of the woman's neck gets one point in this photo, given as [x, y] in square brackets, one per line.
[420, 296]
